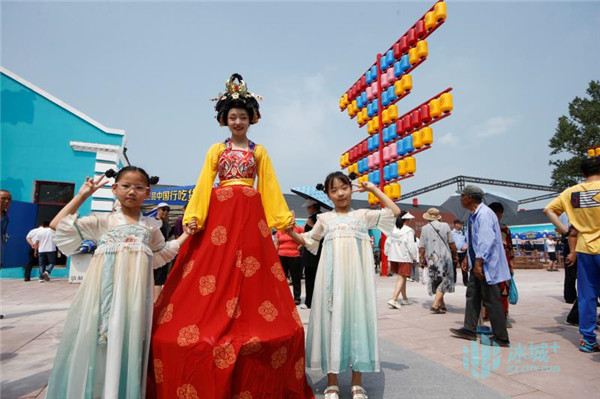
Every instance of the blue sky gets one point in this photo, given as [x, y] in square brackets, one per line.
[152, 67]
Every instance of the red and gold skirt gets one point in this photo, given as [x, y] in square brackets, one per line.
[225, 325]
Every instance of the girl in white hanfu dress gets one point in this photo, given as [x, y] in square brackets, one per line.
[104, 346]
[342, 332]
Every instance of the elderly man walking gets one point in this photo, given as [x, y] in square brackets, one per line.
[487, 260]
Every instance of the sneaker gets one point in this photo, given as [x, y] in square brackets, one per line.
[46, 276]
[589, 347]
[394, 304]
[464, 333]
[41, 280]
[303, 306]
[406, 302]
[508, 324]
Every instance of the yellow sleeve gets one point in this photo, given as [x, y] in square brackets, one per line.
[276, 209]
[557, 205]
[200, 201]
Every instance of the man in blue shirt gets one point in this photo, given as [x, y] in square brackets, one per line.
[460, 239]
[489, 266]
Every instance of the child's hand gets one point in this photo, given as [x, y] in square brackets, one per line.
[90, 186]
[365, 186]
[291, 226]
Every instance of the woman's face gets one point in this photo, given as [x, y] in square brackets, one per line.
[238, 122]
[340, 194]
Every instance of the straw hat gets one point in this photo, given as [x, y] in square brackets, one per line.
[432, 214]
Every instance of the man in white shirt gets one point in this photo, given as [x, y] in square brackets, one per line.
[551, 249]
[33, 252]
[46, 246]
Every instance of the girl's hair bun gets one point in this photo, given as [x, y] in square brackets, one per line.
[153, 180]
[320, 187]
[352, 176]
[110, 173]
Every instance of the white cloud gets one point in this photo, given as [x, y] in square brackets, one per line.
[495, 126]
[301, 129]
[448, 138]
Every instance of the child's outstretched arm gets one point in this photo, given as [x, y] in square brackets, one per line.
[87, 189]
[385, 200]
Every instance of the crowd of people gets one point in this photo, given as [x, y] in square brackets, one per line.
[225, 324]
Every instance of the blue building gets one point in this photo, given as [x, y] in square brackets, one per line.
[47, 149]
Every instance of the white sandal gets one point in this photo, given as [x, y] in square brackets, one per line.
[332, 392]
[359, 392]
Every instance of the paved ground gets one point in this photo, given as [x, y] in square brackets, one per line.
[419, 357]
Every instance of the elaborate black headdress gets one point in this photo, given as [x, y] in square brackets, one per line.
[237, 96]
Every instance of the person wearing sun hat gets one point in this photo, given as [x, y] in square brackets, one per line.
[437, 251]
[161, 273]
[401, 251]
[487, 259]
[414, 269]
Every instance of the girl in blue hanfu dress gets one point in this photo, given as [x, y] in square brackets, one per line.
[103, 352]
[342, 331]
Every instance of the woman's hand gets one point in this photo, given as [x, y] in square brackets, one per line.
[90, 186]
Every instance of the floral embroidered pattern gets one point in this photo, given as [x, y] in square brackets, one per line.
[268, 311]
[264, 229]
[219, 235]
[158, 371]
[129, 233]
[249, 266]
[299, 367]
[166, 314]
[235, 164]
[296, 317]
[187, 391]
[188, 335]
[187, 269]
[224, 355]
[224, 193]
[279, 357]
[277, 271]
[251, 346]
[233, 310]
[207, 284]
[249, 191]
[243, 395]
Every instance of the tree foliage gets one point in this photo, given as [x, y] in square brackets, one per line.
[574, 134]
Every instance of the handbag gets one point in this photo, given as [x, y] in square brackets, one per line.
[513, 294]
